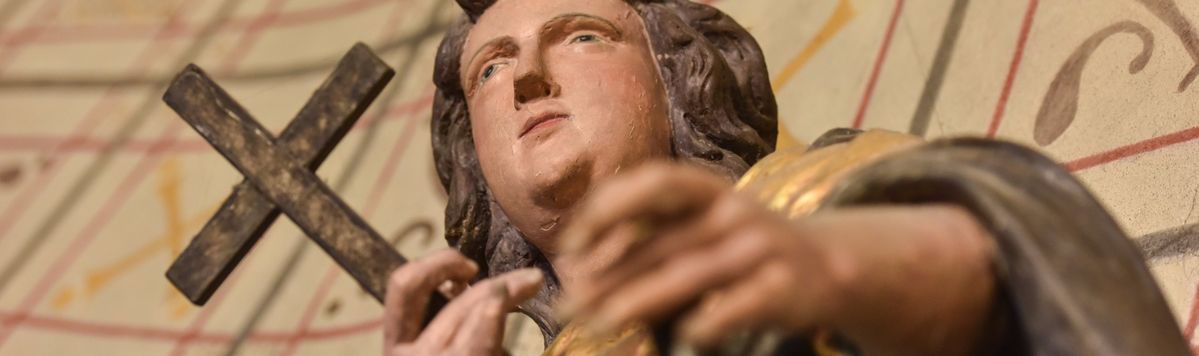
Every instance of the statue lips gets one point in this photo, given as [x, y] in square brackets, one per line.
[543, 120]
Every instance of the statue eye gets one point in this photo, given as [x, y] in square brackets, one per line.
[584, 38]
[488, 72]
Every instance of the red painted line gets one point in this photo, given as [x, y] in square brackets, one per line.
[380, 186]
[90, 231]
[28, 33]
[409, 108]
[189, 337]
[104, 330]
[75, 145]
[1189, 330]
[92, 33]
[1134, 149]
[192, 334]
[22, 201]
[311, 15]
[78, 144]
[111, 330]
[87, 124]
[251, 35]
[322, 291]
[369, 325]
[1017, 57]
[878, 65]
[393, 20]
[393, 161]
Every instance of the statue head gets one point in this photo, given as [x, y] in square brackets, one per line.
[537, 100]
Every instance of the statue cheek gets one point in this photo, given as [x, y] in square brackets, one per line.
[491, 123]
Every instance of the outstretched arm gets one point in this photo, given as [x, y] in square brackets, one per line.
[895, 279]
[957, 246]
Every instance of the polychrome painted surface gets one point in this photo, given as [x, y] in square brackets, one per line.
[101, 185]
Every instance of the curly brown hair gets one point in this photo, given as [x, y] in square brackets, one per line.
[722, 111]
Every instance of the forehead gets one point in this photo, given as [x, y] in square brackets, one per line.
[524, 18]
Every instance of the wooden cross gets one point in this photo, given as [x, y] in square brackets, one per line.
[279, 178]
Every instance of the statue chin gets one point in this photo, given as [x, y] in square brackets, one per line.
[560, 182]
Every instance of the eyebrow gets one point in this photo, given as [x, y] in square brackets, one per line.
[574, 15]
[554, 21]
[490, 44]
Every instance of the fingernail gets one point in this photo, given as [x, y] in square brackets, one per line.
[447, 288]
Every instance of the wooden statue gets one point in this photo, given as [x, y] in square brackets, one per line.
[549, 115]
[610, 174]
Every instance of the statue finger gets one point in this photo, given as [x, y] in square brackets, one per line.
[410, 287]
[655, 191]
[752, 303]
[697, 233]
[724, 217]
[678, 283]
[483, 328]
[521, 285]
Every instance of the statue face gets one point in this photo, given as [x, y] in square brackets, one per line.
[561, 94]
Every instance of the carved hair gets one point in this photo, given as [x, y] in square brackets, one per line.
[722, 112]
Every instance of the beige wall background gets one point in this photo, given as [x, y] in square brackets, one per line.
[101, 185]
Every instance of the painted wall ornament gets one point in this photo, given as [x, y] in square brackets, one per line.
[1060, 105]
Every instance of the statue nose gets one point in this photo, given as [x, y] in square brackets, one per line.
[532, 86]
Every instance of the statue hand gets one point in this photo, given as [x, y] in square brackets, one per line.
[894, 279]
[473, 321]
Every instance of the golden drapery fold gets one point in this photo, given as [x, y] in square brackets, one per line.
[795, 181]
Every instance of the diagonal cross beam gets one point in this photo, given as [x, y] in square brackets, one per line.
[279, 178]
[246, 214]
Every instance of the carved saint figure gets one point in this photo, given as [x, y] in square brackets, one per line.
[608, 175]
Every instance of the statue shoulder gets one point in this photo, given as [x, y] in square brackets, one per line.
[795, 180]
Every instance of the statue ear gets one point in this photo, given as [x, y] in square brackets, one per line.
[474, 8]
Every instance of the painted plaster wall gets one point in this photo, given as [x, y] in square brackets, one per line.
[101, 185]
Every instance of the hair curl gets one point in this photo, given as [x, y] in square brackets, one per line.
[722, 112]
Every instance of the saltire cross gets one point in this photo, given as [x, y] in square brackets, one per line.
[279, 178]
